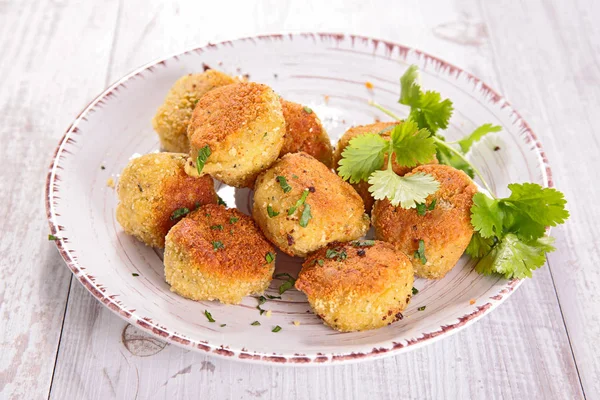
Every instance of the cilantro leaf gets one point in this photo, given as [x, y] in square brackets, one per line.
[544, 205]
[479, 246]
[410, 91]
[446, 157]
[514, 258]
[486, 216]
[433, 112]
[403, 190]
[363, 155]
[411, 145]
[306, 216]
[300, 201]
[283, 183]
[420, 253]
[468, 141]
[203, 155]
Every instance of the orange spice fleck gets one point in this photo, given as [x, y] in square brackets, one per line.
[326, 99]
[472, 302]
[369, 85]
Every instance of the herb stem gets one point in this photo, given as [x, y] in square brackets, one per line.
[384, 110]
[440, 142]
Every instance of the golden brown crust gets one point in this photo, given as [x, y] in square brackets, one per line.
[446, 230]
[244, 246]
[243, 125]
[337, 210]
[304, 132]
[357, 287]
[173, 116]
[151, 188]
[383, 128]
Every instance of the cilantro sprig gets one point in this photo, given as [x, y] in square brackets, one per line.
[509, 233]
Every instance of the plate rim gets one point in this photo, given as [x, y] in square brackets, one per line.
[242, 354]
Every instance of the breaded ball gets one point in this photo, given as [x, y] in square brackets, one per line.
[358, 285]
[384, 129]
[304, 132]
[154, 190]
[243, 126]
[173, 116]
[445, 231]
[331, 211]
[217, 253]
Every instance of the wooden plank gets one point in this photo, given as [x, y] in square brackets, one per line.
[54, 59]
[549, 57]
[520, 351]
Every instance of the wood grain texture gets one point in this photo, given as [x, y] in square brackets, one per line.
[554, 77]
[44, 45]
[520, 351]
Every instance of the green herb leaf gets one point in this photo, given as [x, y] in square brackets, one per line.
[515, 258]
[285, 286]
[180, 212]
[411, 145]
[271, 212]
[431, 112]
[220, 201]
[209, 316]
[233, 220]
[363, 155]
[479, 246]
[306, 215]
[363, 243]
[410, 91]
[217, 245]
[283, 183]
[432, 205]
[405, 191]
[420, 253]
[299, 202]
[307, 110]
[135, 274]
[217, 227]
[52, 237]
[546, 206]
[203, 155]
[340, 255]
[255, 323]
[486, 216]
[421, 208]
[276, 329]
[422, 308]
[269, 257]
[446, 157]
[261, 300]
[415, 290]
[222, 325]
[468, 141]
[319, 261]
[273, 297]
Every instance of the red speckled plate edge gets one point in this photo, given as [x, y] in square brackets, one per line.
[219, 350]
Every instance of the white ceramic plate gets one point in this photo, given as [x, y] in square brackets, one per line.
[327, 72]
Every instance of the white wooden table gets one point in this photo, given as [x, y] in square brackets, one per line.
[58, 342]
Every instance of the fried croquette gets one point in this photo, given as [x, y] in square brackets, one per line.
[358, 285]
[243, 126]
[173, 116]
[445, 230]
[384, 129]
[304, 132]
[153, 190]
[301, 205]
[217, 253]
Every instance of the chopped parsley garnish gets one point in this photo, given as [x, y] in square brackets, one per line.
[273, 297]
[319, 261]
[52, 237]
[233, 220]
[197, 205]
[307, 110]
[420, 253]
[299, 202]
[288, 284]
[209, 316]
[269, 257]
[422, 308]
[255, 323]
[432, 205]
[261, 300]
[102, 167]
[272, 213]
[222, 325]
[415, 290]
[421, 208]
[217, 245]
[294, 176]
[221, 202]
[276, 329]
[203, 155]
[135, 274]
[217, 227]
[180, 212]
[283, 183]
[363, 243]
[341, 255]
[306, 215]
